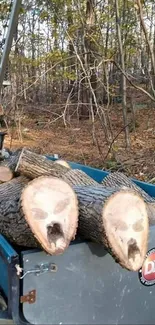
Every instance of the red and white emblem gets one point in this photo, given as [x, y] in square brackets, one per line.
[147, 272]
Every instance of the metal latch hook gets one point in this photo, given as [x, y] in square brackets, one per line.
[38, 270]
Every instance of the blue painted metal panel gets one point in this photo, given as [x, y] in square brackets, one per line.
[6, 250]
[88, 288]
[4, 277]
[98, 175]
[6, 253]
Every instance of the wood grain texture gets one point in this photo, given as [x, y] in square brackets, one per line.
[50, 207]
[33, 165]
[12, 222]
[119, 180]
[78, 177]
[104, 220]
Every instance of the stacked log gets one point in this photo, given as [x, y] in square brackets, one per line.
[31, 212]
[121, 228]
[51, 212]
[7, 167]
[33, 165]
[46, 204]
[119, 180]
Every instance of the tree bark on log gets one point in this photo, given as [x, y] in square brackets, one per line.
[121, 228]
[118, 180]
[33, 165]
[78, 177]
[41, 214]
[12, 190]
[46, 216]
[12, 224]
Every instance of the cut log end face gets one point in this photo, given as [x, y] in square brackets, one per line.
[62, 163]
[5, 174]
[125, 222]
[50, 207]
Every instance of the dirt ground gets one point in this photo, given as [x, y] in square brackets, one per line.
[39, 132]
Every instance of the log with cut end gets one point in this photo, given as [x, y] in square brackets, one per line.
[78, 177]
[118, 180]
[62, 163]
[5, 174]
[33, 165]
[116, 218]
[7, 167]
[45, 218]
[50, 208]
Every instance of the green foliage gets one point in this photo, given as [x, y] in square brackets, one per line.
[52, 32]
[111, 164]
[69, 75]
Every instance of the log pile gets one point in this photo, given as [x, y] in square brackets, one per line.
[46, 204]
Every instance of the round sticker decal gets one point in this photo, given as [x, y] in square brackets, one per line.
[147, 271]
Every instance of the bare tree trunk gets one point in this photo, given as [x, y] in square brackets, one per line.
[151, 50]
[89, 79]
[71, 50]
[123, 79]
[154, 55]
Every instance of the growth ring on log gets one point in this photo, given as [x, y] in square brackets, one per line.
[125, 222]
[50, 208]
[5, 174]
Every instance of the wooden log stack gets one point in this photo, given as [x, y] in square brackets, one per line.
[45, 204]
